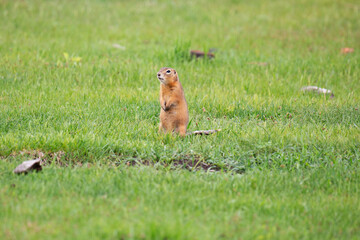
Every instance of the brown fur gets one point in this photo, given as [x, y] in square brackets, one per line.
[174, 115]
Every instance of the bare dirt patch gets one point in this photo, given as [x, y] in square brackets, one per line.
[63, 159]
[191, 163]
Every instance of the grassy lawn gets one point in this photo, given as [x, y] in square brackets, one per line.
[78, 84]
[144, 203]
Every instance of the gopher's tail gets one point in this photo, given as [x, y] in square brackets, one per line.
[203, 132]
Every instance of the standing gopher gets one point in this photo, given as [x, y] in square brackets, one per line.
[174, 114]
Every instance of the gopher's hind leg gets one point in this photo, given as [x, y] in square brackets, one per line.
[182, 130]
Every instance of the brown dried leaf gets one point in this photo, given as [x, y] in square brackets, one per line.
[347, 50]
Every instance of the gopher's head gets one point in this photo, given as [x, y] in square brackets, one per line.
[167, 75]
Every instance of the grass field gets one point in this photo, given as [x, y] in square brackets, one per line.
[289, 161]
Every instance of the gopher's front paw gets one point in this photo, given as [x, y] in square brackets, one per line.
[163, 106]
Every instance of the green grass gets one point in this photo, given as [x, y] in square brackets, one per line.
[136, 203]
[65, 89]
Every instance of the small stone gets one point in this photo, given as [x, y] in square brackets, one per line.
[118, 46]
[28, 166]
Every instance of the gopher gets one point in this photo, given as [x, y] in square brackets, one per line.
[174, 114]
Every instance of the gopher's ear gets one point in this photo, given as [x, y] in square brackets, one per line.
[174, 71]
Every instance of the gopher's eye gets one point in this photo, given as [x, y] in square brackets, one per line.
[168, 71]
